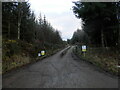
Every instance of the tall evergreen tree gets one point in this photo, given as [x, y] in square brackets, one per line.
[99, 21]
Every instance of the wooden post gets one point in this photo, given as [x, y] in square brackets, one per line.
[84, 54]
[102, 38]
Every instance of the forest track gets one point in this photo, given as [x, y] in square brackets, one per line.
[57, 72]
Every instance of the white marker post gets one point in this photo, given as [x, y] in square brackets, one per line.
[84, 49]
[39, 54]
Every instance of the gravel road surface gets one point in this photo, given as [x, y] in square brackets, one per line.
[59, 72]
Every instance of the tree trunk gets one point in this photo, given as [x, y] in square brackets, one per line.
[119, 37]
[102, 38]
[105, 41]
[9, 29]
[18, 30]
[118, 17]
[19, 19]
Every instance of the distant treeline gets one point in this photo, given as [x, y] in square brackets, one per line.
[100, 23]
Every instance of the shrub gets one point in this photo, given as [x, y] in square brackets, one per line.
[10, 47]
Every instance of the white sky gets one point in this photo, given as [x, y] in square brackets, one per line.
[59, 13]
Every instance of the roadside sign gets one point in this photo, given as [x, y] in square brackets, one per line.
[84, 48]
[39, 54]
[42, 53]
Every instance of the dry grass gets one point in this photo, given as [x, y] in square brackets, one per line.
[14, 61]
[105, 59]
[9, 63]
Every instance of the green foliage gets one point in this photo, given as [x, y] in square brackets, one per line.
[36, 32]
[13, 62]
[80, 37]
[100, 21]
[24, 35]
[106, 59]
[31, 30]
[10, 47]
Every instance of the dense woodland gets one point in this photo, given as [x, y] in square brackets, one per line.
[100, 24]
[100, 33]
[24, 35]
[19, 24]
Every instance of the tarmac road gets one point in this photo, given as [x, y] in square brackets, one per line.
[59, 72]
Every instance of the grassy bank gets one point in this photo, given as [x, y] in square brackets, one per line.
[106, 59]
[17, 54]
[18, 60]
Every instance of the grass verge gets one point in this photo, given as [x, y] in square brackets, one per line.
[105, 59]
[17, 61]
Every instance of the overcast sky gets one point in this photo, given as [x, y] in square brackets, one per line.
[59, 13]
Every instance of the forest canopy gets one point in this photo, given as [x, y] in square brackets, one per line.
[100, 21]
[22, 30]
